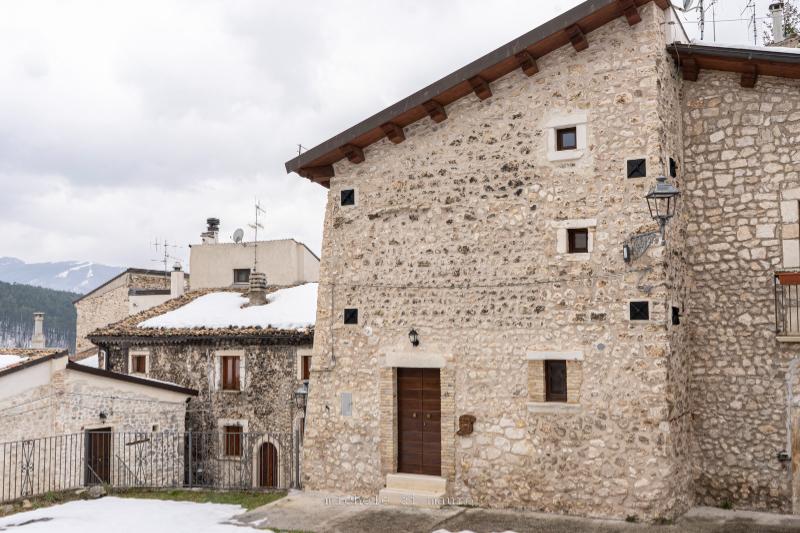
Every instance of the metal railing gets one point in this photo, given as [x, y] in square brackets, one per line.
[787, 307]
[213, 460]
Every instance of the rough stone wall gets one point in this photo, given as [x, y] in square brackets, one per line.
[453, 235]
[741, 157]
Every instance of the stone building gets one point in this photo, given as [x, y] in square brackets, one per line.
[130, 292]
[246, 354]
[499, 321]
[58, 420]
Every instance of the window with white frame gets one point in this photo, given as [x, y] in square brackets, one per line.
[566, 136]
[230, 370]
[575, 238]
[139, 361]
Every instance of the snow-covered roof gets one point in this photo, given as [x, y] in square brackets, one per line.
[289, 312]
[293, 308]
[732, 46]
[9, 359]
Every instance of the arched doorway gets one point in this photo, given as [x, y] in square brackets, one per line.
[268, 465]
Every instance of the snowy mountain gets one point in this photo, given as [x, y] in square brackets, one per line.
[72, 276]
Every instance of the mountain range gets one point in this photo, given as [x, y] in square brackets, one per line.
[70, 276]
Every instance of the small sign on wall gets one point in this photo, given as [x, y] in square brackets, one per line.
[347, 404]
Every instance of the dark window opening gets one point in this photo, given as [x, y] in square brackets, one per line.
[348, 197]
[676, 316]
[233, 440]
[306, 367]
[673, 168]
[139, 364]
[351, 316]
[555, 378]
[241, 275]
[637, 168]
[567, 139]
[578, 239]
[230, 372]
[640, 310]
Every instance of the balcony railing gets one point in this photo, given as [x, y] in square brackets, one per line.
[787, 304]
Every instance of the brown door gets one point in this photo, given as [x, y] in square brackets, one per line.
[419, 421]
[267, 465]
[98, 456]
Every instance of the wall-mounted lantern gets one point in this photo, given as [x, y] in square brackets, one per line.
[301, 397]
[661, 201]
[413, 336]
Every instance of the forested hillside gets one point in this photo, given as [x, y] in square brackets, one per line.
[19, 302]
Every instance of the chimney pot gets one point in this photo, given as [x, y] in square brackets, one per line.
[776, 10]
[258, 288]
[38, 331]
[176, 281]
[211, 235]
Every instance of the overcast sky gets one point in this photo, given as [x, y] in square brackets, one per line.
[126, 122]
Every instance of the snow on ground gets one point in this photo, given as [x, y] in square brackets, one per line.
[294, 308]
[8, 360]
[126, 515]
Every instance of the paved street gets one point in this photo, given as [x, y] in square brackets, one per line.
[323, 513]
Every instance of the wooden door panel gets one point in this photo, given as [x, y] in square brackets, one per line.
[419, 421]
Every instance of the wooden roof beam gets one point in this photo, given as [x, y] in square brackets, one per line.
[631, 12]
[527, 63]
[690, 69]
[353, 153]
[749, 77]
[318, 174]
[435, 110]
[577, 38]
[394, 132]
[481, 87]
[663, 4]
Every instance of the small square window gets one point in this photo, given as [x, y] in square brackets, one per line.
[351, 316]
[578, 240]
[139, 364]
[567, 139]
[233, 440]
[348, 197]
[639, 310]
[241, 275]
[637, 168]
[673, 168]
[555, 379]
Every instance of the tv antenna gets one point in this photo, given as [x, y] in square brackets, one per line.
[689, 5]
[167, 256]
[751, 4]
[256, 226]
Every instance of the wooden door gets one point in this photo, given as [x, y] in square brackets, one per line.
[419, 421]
[268, 465]
[98, 456]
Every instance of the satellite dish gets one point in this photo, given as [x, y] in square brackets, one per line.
[238, 235]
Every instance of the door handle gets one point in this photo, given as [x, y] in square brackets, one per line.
[428, 416]
[413, 415]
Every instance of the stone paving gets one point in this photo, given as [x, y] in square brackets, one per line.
[325, 513]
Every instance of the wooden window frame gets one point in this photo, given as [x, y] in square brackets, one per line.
[549, 395]
[572, 248]
[232, 436]
[135, 360]
[560, 133]
[230, 368]
[305, 367]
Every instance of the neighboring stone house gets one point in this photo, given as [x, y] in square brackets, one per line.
[247, 357]
[64, 424]
[130, 292]
[497, 317]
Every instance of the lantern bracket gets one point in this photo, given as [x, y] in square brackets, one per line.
[638, 244]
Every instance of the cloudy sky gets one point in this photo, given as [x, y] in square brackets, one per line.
[126, 122]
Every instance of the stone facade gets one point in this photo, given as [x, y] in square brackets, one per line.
[741, 148]
[112, 302]
[456, 234]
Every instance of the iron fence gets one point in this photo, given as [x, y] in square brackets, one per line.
[120, 460]
[787, 306]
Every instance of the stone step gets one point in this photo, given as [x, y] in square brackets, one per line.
[412, 498]
[416, 482]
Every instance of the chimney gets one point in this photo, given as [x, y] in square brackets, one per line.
[176, 281]
[776, 10]
[258, 288]
[211, 235]
[38, 331]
